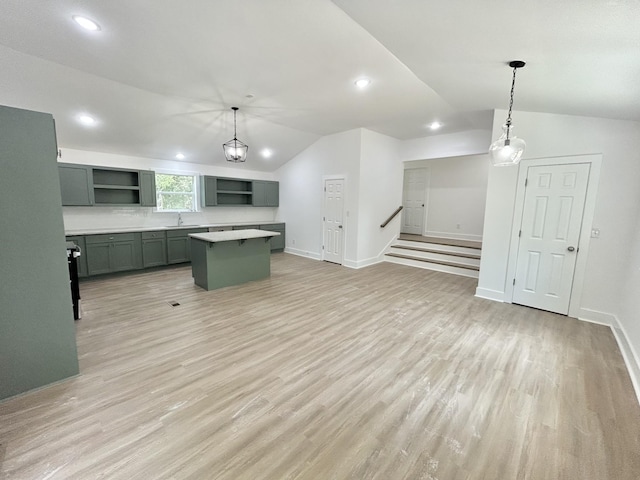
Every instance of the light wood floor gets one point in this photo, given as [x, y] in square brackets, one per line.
[322, 372]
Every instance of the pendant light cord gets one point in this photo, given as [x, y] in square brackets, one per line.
[513, 86]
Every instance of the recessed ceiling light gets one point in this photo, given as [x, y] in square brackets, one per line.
[435, 125]
[363, 83]
[86, 23]
[266, 153]
[180, 156]
[86, 120]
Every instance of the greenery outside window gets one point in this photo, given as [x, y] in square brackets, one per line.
[176, 193]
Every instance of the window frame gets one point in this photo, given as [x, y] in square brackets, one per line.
[196, 203]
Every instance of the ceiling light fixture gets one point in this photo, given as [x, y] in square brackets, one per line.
[435, 125]
[180, 156]
[363, 83]
[234, 150]
[266, 153]
[508, 150]
[86, 120]
[86, 23]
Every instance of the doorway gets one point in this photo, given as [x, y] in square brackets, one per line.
[414, 193]
[551, 233]
[333, 224]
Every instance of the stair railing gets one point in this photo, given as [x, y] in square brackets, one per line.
[391, 217]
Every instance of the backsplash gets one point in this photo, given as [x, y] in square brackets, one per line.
[89, 218]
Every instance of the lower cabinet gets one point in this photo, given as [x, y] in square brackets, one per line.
[154, 249]
[113, 253]
[119, 252]
[277, 243]
[179, 244]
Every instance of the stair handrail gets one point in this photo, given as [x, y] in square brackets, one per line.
[391, 217]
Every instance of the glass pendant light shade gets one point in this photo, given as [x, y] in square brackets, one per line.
[234, 150]
[506, 150]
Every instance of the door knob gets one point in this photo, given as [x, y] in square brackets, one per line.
[339, 226]
[571, 249]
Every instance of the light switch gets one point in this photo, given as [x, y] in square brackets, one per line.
[595, 233]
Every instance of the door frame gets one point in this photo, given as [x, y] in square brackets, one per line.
[345, 219]
[595, 160]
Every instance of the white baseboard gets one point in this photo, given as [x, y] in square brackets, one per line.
[361, 263]
[457, 236]
[601, 318]
[489, 294]
[302, 253]
[629, 354]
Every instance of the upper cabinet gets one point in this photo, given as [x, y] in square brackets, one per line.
[75, 184]
[85, 185]
[266, 194]
[223, 191]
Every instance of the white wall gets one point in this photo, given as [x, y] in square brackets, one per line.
[98, 217]
[470, 142]
[617, 209]
[302, 196]
[380, 194]
[456, 195]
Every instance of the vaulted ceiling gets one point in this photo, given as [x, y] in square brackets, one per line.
[160, 76]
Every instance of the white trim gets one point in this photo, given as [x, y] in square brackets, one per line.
[362, 263]
[489, 294]
[595, 161]
[302, 253]
[630, 357]
[345, 220]
[601, 318]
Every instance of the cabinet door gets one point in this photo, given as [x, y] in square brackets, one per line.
[148, 189]
[259, 193]
[82, 259]
[123, 256]
[178, 250]
[209, 191]
[98, 258]
[154, 249]
[75, 184]
[272, 194]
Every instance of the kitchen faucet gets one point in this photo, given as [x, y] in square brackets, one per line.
[180, 218]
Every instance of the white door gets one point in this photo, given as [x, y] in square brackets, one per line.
[549, 235]
[333, 227]
[413, 200]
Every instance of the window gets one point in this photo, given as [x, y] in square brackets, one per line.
[176, 193]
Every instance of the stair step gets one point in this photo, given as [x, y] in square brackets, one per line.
[475, 256]
[431, 260]
[430, 265]
[454, 242]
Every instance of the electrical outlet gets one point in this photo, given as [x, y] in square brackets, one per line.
[293, 241]
[458, 226]
[595, 233]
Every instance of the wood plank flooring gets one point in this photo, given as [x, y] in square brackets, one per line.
[323, 372]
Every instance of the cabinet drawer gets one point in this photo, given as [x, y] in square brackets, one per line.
[152, 235]
[274, 227]
[112, 237]
[245, 227]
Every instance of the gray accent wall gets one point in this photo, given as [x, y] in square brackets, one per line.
[37, 331]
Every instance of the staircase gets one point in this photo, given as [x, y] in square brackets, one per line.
[460, 257]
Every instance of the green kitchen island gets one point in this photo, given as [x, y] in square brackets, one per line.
[222, 259]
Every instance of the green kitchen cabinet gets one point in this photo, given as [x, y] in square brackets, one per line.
[113, 253]
[148, 188]
[266, 193]
[76, 187]
[179, 244]
[208, 191]
[278, 242]
[154, 248]
[82, 259]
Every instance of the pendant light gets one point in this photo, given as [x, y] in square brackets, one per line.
[234, 150]
[508, 150]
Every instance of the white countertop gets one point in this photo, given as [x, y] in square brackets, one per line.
[229, 235]
[98, 231]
